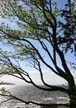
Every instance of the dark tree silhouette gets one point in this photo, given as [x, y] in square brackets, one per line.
[43, 27]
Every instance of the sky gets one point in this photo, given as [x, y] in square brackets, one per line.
[50, 78]
[53, 79]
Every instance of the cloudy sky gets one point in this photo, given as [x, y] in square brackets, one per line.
[50, 78]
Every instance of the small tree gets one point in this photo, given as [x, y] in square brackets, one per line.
[46, 28]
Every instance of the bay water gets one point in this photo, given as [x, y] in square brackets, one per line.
[31, 93]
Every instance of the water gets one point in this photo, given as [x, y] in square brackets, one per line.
[29, 93]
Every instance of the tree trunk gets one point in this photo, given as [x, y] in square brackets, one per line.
[73, 101]
[72, 96]
[72, 91]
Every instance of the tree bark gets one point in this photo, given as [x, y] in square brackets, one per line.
[72, 96]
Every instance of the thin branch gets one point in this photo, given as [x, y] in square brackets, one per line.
[25, 21]
[4, 101]
[41, 73]
[50, 3]
[3, 73]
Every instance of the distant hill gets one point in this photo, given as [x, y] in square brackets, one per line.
[6, 83]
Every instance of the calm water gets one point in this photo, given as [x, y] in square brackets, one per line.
[31, 93]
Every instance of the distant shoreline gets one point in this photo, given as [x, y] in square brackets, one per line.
[6, 83]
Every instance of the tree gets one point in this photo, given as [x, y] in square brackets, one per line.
[43, 28]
